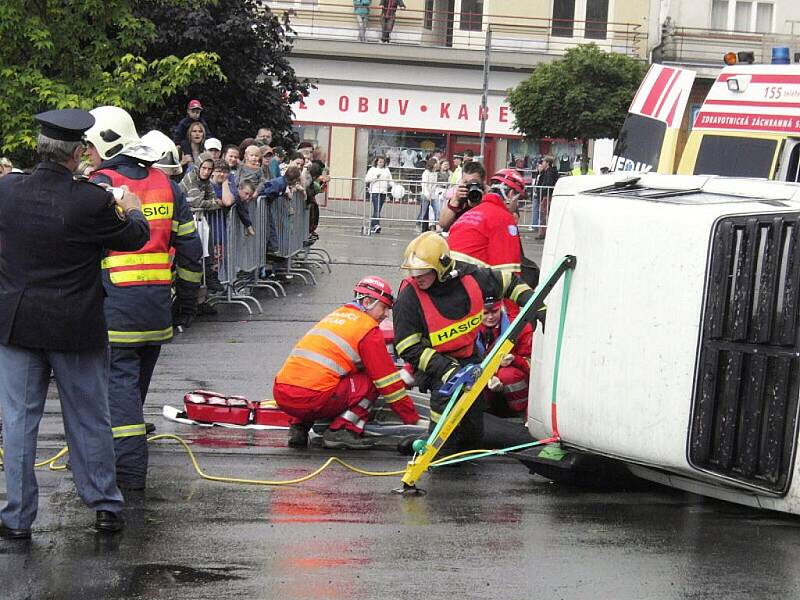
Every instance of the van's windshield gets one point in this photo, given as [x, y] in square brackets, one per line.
[735, 156]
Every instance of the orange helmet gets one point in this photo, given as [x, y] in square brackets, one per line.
[376, 288]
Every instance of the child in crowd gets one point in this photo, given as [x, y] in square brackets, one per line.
[250, 169]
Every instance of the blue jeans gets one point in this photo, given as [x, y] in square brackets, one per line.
[82, 380]
[377, 206]
[422, 215]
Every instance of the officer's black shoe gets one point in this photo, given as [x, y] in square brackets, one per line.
[14, 534]
[149, 428]
[298, 436]
[108, 522]
[404, 446]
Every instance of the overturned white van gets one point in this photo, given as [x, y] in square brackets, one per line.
[681, 344]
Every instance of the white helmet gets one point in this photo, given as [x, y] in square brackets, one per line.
[114, 133]
[170, 156]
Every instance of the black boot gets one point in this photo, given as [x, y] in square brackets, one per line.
[298, 435]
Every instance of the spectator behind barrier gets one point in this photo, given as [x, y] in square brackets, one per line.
[231, 157]
[196, 184]
[263, 137]
[245, 193]
[245, 143]
[193, 112]
[278, 156]
[250, 169]
[214, 147]
[192, 146]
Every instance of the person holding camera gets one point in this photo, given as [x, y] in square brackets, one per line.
[486, 235]
[466, 194]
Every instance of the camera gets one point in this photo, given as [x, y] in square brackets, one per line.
[474, 192]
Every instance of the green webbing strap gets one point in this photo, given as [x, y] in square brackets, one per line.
[560, 339]
[564, 267]
[556, 367]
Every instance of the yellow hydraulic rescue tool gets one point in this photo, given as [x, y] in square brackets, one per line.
[468, 383]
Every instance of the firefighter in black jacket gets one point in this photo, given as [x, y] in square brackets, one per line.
[436, 319]
[138, 284]
[54, 230]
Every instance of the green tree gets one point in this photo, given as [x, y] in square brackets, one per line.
[253, 44]
[82, 54]
[584, 96]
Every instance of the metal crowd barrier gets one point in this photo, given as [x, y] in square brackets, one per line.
[243, 258]
[348, 200]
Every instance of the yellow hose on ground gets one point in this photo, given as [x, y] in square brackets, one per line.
[51, 463]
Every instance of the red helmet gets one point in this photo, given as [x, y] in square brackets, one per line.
[374, 287]
[509, 178]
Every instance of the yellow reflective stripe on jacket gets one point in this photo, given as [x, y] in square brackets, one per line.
[507, 268]
[460, 256]
[183, 228]
[134, 337]
[187, 275]
[141, 275]
[126, 260]
[124, 431]
[425, 358]
[519, 289]
[394, 396]
[506, 277]
[406, 343]
[388, 380]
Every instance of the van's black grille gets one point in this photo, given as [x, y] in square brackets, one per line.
[744, 416]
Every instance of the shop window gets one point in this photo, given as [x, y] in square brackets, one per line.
[563, 18]
[471, 15]
[596, 19]
[405, 151]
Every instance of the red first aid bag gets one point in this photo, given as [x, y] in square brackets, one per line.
[211, 407]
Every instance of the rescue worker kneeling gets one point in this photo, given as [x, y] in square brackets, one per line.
[507, 391]
[436, 321]
[339, 368]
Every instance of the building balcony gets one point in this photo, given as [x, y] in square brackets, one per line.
[420, 36]
[702, 50]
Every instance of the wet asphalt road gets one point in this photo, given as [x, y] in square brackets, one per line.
[484, 530]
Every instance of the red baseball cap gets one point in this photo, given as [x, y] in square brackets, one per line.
[195, 104]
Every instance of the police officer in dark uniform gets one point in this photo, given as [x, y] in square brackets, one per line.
[53, 234]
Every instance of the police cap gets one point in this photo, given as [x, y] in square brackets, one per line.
[67, 125]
